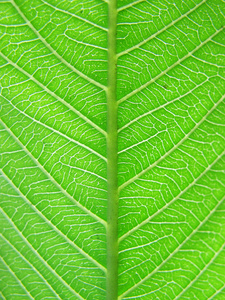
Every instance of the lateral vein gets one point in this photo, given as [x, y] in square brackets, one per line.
[39, 256]
[31, 265]
[47, 221]
[31, 77]
[217, 292]
[161, 106]
[77, 203]
[17, 279]
[174, 252]
[130, 5]
[216, 254]
[73, 15]
[172, 201]
[161, 30]
[53, 51]
[63, 135]
[173, 148]
[169, 68]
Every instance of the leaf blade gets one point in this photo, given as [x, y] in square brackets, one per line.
[59, 136]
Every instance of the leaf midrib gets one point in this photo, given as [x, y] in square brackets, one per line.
[112, 146]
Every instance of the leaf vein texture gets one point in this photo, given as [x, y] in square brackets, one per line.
[112, 149]
[172, 201]
[177, 249]
[174, 148]
[52, 50]
[35, 270]
[40, 258]
[53, 94]
[160, 31]
[170, 67]
[18, 281]
[55, 228]
[52, 179]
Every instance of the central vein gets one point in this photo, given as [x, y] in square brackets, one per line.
[112, 214]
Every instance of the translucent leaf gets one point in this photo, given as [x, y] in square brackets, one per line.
[112, 149]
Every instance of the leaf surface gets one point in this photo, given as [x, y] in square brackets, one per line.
[56, 91]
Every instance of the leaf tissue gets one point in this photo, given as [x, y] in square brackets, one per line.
[112, 149]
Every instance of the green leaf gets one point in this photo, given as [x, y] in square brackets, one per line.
[112, 149]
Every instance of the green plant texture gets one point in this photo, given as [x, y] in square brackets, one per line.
[112, 149]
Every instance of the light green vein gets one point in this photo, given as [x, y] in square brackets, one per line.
[84, 44]
[32, 267]
[172, 253]
[217, 292]
[172, 201]
[12, 26]
[142, 246]
[1, 296]
[130, 5]
[173, 148]
[63, 135]
[169, 68]
[31, 77]
[53, 51]
[73, 15]
[47, 221]
[210, 63]
[216, 254]
[103, 222]
[162, 106]
[20, 283]
[39, 257]
[161, 30]
[68, 138]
